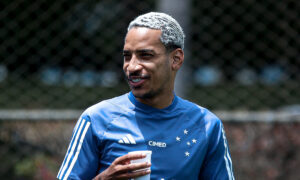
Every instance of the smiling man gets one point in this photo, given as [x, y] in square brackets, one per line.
[187, 141]
[150, 67]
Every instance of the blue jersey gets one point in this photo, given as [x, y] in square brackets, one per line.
[187, 141]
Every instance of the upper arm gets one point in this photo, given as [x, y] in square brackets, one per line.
[81, 160]
[217, 164]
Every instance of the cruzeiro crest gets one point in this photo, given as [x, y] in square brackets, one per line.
[181, 139]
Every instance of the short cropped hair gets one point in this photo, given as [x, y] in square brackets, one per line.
[172, 36]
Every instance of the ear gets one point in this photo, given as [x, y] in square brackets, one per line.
[177, 59]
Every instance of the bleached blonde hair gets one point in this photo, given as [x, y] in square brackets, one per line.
[172, 34]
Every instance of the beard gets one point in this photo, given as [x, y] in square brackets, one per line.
[148, 95]
[151, 93]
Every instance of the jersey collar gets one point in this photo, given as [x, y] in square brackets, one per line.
[147, 108]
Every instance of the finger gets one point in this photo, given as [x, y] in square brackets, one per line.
[134, 174]
[120, 169]
[137, 166]
[128, 157]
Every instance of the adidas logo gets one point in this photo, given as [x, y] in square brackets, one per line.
[128, 139]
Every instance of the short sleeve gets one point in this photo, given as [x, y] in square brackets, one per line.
[82, 157]
[217, 164]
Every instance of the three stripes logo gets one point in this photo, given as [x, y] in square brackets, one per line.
[128, 139]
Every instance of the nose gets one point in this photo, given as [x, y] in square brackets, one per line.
[134, 65]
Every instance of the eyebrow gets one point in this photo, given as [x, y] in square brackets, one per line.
[145, 51]
[139, 51]
[126, 52]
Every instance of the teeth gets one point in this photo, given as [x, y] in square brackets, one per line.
[136, 80]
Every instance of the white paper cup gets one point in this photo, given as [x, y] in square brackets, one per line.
[146, 159]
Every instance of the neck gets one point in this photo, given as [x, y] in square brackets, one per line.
[159, 101]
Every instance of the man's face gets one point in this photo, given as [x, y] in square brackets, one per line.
[147, 64]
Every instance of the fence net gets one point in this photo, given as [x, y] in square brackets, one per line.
[68, 54]
[242, 56]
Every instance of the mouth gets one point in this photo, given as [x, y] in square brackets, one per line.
[137, 81]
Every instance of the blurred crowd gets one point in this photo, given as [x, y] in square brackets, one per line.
[267, 151]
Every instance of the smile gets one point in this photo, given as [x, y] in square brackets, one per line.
[136, 80]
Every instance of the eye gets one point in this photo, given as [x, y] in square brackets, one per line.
[146, 55]
[127, 56]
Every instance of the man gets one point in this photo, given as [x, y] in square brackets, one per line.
[187, 141]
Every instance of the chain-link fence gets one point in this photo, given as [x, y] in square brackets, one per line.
[35, 150]
[245, 54]
[59, 57]
[63, 54]
[68, 54]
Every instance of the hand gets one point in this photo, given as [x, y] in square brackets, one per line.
[122, 169]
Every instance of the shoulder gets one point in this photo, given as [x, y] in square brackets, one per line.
[207, 118]
[117, 103]
[106, 110]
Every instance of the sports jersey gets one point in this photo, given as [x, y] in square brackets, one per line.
[187, 141]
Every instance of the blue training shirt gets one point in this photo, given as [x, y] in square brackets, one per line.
[187, 141]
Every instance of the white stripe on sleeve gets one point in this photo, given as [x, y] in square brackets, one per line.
[77, 151]
[228, 166]
[70, 154]
[71, 143]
